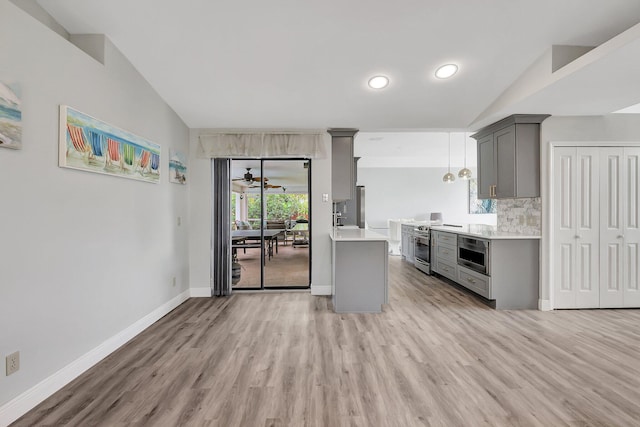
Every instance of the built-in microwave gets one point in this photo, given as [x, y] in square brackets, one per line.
[474, 254]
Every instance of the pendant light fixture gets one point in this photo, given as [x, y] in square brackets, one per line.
[449, 177]
[464, 172]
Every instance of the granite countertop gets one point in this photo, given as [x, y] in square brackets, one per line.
[483, 231]
[356, 234]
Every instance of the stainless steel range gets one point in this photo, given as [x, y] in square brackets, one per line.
[422, 248]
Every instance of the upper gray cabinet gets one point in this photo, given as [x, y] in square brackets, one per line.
[509, 157]
[343, 172]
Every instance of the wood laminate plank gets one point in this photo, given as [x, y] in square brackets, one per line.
[436, 356]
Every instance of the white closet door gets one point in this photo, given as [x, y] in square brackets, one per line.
[587, 227]
[631, 231]
[564, 201]
[576, 227]
[612, 194]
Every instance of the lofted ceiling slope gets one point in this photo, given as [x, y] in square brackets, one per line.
[292, 64]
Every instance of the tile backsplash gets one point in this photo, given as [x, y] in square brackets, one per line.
[519, 215]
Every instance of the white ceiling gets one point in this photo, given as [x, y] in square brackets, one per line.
[303, 64]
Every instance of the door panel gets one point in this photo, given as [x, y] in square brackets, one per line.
[631, 278]
[286, 213]
[585, 275]
[564, 200]
[576, 227]
[505, 142]
[611, 229]
[246, 242]
[587, 230]
[486, 167]
[566, 270]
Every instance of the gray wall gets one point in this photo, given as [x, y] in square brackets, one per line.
[393, 193]
[83, 256]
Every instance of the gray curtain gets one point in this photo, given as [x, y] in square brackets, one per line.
[221, 226]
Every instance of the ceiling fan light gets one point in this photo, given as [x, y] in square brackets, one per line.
[378, 82]
[448, 178]
[464, 173]
[446, 71]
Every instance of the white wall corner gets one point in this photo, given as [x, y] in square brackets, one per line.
[23, 403]
[91, 44]
[318, 290]
[200, 292]
[544, 305]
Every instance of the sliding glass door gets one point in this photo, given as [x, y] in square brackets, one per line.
[270, 212]
[246, 225]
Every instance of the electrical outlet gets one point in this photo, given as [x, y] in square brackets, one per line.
[325, 197]
[173, 281]
[13, 363]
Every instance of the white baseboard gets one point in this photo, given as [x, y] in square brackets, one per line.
[23, 403]
[320, 289]
[544, 305]
[200, 292]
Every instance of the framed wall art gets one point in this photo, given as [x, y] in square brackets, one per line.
[92, 145]
[10, 116]
[177, 167]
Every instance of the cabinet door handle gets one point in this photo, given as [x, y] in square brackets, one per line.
[469, 279]
[620, 236]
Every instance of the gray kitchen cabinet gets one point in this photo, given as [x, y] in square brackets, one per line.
[474, 281]
[509, 157]
[512, 281]
[486, 167]
[444, 254]
[360, 260]
[407, 243]
[343, 174]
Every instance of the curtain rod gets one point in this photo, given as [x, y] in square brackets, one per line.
[284, 132]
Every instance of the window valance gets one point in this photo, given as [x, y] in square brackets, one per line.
[262, 145]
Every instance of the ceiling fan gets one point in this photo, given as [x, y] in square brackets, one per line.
[249, 178]
[266, 185]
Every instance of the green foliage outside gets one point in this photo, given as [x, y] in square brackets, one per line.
[280, 206]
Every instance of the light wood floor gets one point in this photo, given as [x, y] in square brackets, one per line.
[436, 356]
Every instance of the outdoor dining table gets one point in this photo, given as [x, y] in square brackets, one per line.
[240, 237]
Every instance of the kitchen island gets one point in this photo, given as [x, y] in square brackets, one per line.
[500, 266]
[360, 270]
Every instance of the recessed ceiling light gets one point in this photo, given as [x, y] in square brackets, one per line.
[378, 82]
[446, 71]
